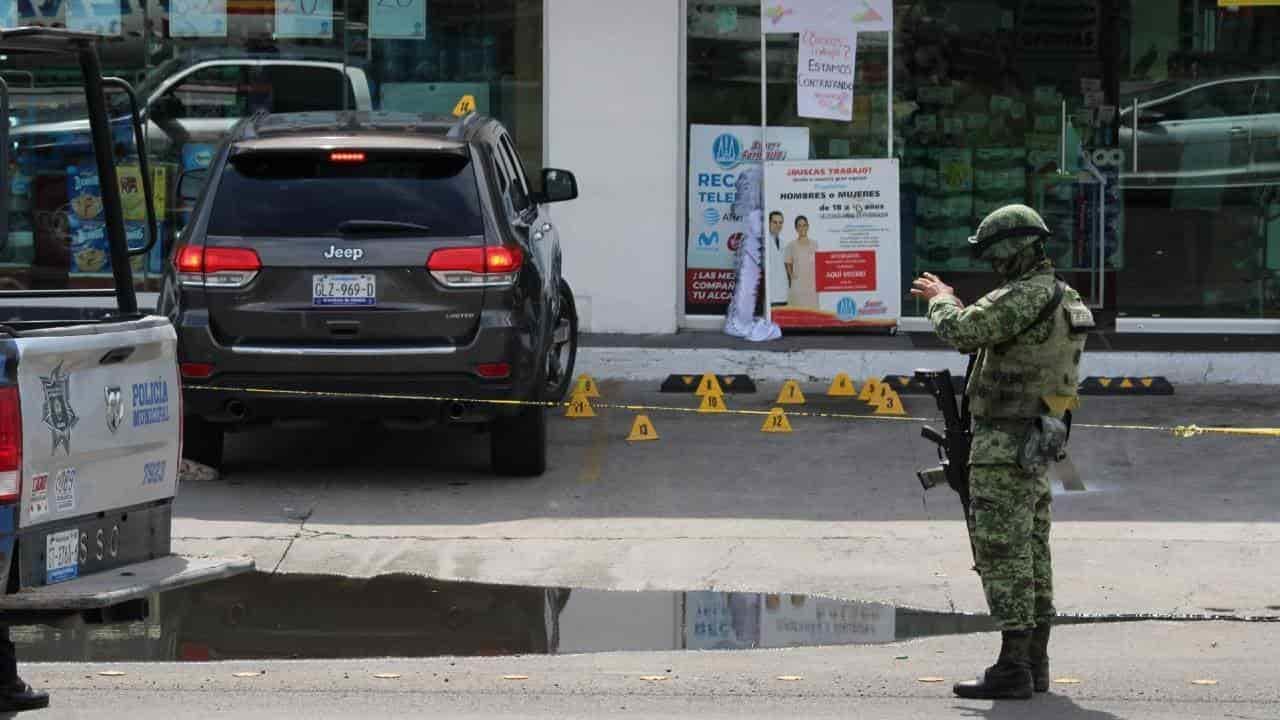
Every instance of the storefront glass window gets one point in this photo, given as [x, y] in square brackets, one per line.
[1031, 101]
[200, 70]
[723, 89]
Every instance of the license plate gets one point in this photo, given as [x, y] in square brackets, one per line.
[343, 290]
[62, 556]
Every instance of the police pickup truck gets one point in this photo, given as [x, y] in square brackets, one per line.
[90, 423]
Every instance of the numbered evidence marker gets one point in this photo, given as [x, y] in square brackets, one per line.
[709, 385]
[465, 106]
[580, 407]
[642, 429]
[889, 403]
[712, 403]
[777, 422]
[870, 391]
[791, 394]
[842, 386]
[587, 387]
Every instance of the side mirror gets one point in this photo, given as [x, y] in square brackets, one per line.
[166, 107]
[557, 186]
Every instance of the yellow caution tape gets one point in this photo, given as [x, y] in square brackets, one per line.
[1179, 431]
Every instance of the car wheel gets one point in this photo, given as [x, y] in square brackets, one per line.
[202, 441]
[562, 353]
[518, 444]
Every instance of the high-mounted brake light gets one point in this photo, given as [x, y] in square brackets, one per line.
[10, 445]
[217, 267]
[495, 266]
[339, 156]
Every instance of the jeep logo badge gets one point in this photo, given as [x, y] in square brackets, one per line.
[336, 253]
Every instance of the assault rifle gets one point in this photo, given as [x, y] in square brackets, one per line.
[953, 446]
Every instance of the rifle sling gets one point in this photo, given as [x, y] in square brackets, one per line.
[1059, 290]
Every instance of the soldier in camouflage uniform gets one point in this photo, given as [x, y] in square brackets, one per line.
[1028, 336]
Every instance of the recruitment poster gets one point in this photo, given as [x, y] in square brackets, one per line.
[716, 154]
[824, 75]
[840, 242]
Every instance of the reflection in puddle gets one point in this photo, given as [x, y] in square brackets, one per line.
[323, 616]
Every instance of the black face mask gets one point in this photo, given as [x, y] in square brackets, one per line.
[1020, 262]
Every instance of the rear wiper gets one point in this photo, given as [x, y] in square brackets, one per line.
[353, 227]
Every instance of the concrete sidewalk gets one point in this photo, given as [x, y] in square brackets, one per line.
[1136, 671]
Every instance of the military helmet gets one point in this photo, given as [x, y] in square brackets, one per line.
[1010, 221]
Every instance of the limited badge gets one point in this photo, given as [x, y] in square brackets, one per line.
[58, 414]
[115, 409]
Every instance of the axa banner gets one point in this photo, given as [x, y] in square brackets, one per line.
[836, 16]
[840, 242]
[716, 152]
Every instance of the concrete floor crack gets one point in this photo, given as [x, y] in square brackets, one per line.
[724, 565]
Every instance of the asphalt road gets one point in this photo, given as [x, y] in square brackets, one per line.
[1161, 525]
[1131, 671]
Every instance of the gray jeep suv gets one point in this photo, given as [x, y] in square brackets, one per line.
[377, 266]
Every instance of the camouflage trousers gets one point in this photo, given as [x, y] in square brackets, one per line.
[1009, 519]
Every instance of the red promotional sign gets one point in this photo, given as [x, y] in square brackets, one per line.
[847, 271]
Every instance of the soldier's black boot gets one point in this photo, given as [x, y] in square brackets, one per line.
[1040, 657]
[1009, 678]
[15, 695]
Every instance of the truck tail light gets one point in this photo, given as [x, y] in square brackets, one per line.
[196, 371]
[494, 266]
[10, 445]
[216, 267]
[494, 371]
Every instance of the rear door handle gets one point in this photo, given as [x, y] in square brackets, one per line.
[1237, 130]
[116, 355]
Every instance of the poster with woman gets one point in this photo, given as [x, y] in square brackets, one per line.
[839, 242]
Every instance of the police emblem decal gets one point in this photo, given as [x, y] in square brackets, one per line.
[58, 414]
[115, 409]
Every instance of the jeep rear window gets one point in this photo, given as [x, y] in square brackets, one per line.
[309, 194]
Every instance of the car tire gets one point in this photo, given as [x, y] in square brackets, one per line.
[518, 444]
[202, 441]
[562, 353]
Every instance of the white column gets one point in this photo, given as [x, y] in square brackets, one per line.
[612, 99]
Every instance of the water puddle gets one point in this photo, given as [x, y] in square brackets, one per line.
[261, 616]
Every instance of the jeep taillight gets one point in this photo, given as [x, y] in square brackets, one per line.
[10, 445]
[495, 266]
[216, 267]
